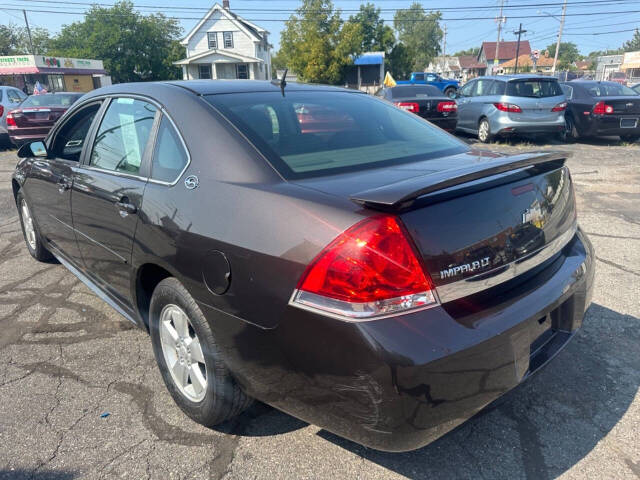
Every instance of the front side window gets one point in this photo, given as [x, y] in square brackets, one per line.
[483, 87]
[228, 39]
[568, 91]
[212, 38]
[204, 72]
[467, 89]
[169, 156]
[70, 138]
[123, 135]
[305, 134]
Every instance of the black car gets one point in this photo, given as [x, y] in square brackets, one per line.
[424, 100]
[601, 109]
[381, 280]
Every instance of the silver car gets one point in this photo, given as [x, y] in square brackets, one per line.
[511, 104]
[10, 98]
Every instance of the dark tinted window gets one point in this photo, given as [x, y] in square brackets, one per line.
[536, 88]
[169, 157]
[123, 135]
[567, 90]
[415, 91]
[51, 100]
[498, 88]
[607, 89]
[315, 133]
[71, 137]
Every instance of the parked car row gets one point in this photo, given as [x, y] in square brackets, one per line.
[506, 105]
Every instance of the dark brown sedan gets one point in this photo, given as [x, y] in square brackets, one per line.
[35, 116]
[377, 278]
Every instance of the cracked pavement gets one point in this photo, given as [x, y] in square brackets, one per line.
[66, 358]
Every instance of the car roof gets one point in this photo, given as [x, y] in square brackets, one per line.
[518, 76]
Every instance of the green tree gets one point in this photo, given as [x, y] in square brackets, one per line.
[134, 47]
[317, 44]
[469, 51]
[633, 44]
[14, 40]
[400, 62]
[568, 54]
[376, 36]
[420, 32]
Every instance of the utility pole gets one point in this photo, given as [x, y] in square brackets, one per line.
[444, 48]
[28, 31]
[500, 21]
[555, 57]
[519, 32]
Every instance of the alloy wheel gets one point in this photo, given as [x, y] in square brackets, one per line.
[27, 222]
[483, 131]
[183, 353]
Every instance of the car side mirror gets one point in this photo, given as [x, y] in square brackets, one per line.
[33, 149]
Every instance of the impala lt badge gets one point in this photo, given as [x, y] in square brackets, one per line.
[465, 267]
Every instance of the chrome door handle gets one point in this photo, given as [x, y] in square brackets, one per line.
[63, 185]
[125, 207]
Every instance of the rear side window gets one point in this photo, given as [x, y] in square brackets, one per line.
[536, 88]
[313, 133]
[609, 90]
[169, 157]
[123, 135]
[568, 91]
[498, 88]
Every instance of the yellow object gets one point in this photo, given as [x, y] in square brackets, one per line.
[389, 81]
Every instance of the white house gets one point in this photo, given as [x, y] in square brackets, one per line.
[224, 45]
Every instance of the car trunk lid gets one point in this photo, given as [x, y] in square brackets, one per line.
[622, 105]
[478, 222]
[428, 106]
[37, 116]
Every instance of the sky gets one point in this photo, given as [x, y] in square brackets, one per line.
[591, 24]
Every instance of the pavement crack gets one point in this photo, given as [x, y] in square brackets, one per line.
[619, 267]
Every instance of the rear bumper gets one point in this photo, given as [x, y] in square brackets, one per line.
[503, 125]
[399, 383]
[19, 138]
[448, 123]
[610, 126]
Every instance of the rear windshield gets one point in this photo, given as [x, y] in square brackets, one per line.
[312, 133]
[536, 88]
[608, 90]
[417, 91]
[50, 100]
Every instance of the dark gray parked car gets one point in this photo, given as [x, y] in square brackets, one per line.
[315, 248]
[511, 104]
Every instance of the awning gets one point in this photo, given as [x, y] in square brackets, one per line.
[369, 59]
[627, 66]
[50, 71]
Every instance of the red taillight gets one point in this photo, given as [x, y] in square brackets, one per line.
[602, 108]
[409, 106]
[508, 107]
[449, 106]
[368, 271]
[561, 107]
[11, 122]
[1, 110]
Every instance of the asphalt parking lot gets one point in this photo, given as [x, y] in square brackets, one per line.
[81, 397]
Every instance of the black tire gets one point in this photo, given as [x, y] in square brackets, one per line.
[223, 397]
[570, 133]
[630, 138]
[36, 247]
[482, 136]
[450, 92]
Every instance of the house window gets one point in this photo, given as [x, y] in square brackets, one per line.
[212, 37]
[228, 39]
[242, 71]
[204, 71]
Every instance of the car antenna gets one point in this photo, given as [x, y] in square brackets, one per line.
[283, 81]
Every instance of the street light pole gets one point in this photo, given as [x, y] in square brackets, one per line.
[500, 21]
[555, 57]
[29, 32]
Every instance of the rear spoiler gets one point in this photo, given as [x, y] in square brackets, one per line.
[401, 194]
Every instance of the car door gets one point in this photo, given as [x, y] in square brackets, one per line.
[480, 97]
[50, 182]
[107, 193]
[463, 100]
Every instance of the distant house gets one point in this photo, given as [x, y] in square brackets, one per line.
[448, 67]
[506, 51]
[224, 45]
[606, 65]
[471, 67]
[544, 64]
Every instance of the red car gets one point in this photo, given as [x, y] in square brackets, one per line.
[33, 119]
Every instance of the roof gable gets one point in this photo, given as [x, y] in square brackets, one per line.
[248, 28]
[506, 51]
[470, 61]
[525, 61]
